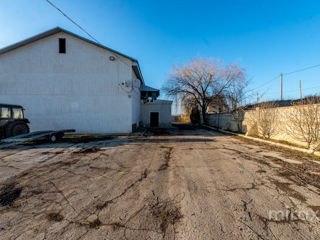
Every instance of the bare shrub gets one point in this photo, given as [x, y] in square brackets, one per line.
[262, 121]
[267, 119]
[303, 121]
[251, 117]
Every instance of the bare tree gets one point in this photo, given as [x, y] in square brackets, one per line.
[236, 97]
[201, 80]
[304, 122]
[267, 119]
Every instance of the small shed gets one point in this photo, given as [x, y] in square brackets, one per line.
[156, 113]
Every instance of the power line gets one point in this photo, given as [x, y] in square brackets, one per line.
[297, 90]
[288, 73]
[64, 14]
[302, 69]
[264, 84]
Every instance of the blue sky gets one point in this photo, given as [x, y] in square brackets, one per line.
[264, 37]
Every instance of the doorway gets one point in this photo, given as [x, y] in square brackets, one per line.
[154, 119]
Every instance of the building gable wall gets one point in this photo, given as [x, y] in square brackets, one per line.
[81, 89]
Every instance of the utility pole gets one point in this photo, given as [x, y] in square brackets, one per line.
[281, 87]
[300, 90]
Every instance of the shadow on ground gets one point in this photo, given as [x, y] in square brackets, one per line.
[152, 135]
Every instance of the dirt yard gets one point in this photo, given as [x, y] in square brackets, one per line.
[179, 184]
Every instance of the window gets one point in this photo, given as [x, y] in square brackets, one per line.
[17, 113]
[62, 45]
[5, 112]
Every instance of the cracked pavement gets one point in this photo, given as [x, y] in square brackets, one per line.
[177, 184]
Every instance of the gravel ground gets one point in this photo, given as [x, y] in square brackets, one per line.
[175, 184]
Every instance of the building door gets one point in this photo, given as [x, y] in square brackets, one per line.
[154, 119]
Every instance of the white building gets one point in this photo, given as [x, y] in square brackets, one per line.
[66, 81]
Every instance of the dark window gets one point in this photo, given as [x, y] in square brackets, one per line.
[62, 45]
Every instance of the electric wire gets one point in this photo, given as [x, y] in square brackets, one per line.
[264, 84]
[259, 87]
[81, 28]
[284, 74]
[70, 19]
[302, 69]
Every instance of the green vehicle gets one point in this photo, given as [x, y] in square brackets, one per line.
[12, 121]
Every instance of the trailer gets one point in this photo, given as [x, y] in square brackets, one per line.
[48, 135]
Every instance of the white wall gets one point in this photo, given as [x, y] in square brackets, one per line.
[80, 89]
[161, 106]
[225, 121]
[250, 123]
[136, 95]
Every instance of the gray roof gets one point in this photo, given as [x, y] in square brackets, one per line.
[56, 30]
[146, 88]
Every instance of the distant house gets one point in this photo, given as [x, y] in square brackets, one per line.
[67, 81]
[217, 105]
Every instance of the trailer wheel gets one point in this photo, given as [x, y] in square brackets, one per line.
[17, 128]
[56, 137]
[53, 138]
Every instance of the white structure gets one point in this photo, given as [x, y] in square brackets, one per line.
[156, 113]
[66, 81]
